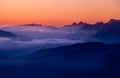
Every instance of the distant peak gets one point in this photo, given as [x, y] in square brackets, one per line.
[112, 21]
[81, 23]
[32, 24]
[77, 24]
[74, 24]
[99, 23]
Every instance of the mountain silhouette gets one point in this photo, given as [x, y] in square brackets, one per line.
[32, 24]
[111, 23]
[6, 34]
[87, 60]
[109, 32]
[91, 48]
[82, 60]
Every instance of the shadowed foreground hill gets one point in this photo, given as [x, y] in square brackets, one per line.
[86, 52]
[87, 60]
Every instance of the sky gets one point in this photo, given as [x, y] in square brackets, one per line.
[57, 12]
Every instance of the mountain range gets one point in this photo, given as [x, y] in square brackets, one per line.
[109, 32]
[106, 32]
[79, 50]
[99, 32]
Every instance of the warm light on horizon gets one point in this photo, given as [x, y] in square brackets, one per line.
[57, 12]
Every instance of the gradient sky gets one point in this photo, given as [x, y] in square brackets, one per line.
[57, 12]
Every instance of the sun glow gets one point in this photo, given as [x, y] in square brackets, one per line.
[57, 12]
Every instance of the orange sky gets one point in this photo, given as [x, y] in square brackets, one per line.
[57, 12]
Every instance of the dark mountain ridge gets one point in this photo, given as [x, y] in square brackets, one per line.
[89, 47]
[6, 34]
[109, 32]
[82, 60]
[111, 23]
[94, 58]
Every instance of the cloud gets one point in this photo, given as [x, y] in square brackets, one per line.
[15, 47]
[31, 38]
[34, 32]
[36, 35]
[8, 43]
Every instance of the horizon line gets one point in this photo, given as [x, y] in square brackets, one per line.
[56, 26]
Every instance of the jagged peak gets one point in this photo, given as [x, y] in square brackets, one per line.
[74, 24]
[81, 23]
[99, 23]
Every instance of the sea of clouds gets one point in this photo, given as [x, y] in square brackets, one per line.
[28, 39]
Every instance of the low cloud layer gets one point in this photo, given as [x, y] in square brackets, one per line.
[31, 38]
[23, 39]
[32, 32]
